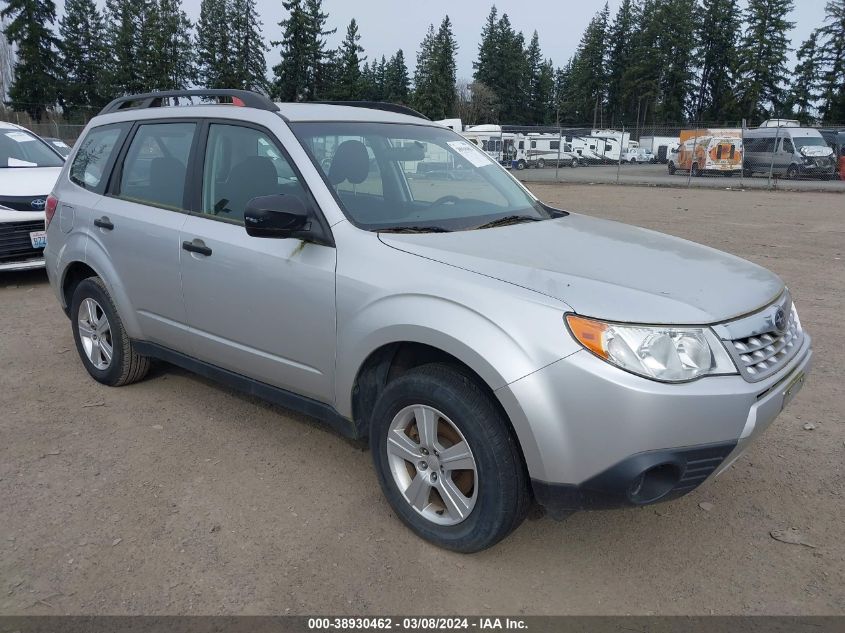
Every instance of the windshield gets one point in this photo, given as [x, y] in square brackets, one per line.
[393, 176]
[805, 141]
[19, 148]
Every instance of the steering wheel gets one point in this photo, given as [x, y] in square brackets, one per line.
[444, 200]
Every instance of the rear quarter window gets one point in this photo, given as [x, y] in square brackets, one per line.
[90, 163]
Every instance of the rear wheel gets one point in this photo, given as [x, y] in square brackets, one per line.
[672, 168]
[695, 171]
[101, 340]
[447, 461]
[541, 164]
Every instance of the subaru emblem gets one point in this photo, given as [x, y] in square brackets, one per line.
[780, 320]
[38, 204]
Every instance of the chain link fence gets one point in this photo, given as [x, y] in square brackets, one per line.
[51, 125]
[778, 154]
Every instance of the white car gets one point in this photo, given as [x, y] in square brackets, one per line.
[29, 168]
[638, 155]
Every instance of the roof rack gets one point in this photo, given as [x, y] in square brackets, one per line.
[378, 105]
[243, 98]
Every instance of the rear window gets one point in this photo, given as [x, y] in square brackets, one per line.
[19, 148]
[89, 164]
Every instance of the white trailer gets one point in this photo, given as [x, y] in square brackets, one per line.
[660, 146]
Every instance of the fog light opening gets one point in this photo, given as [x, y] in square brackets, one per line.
[654, 483]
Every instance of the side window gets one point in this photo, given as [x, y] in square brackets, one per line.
[243, 163]
[788, 146]
[156, 165]
[91, 160]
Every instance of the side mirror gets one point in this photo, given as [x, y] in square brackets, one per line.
[279, 216]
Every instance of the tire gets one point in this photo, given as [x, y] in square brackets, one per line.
[541, 164]
[792, 172]
[633, 161]
[747, 173]
[575, 163]
[123, 365]
[495, 496]
[695, 172]
[520, 164]
[672, 168]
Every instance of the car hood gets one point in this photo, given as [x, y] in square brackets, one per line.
[606, 269]
[28, 181]
[816, 151]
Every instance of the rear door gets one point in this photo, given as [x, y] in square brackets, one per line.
[263, 308]
[137, 224]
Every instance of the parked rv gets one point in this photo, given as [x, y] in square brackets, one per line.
[660, 146]
[717, 151]
[788, 151]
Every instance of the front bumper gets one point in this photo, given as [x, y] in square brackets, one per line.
[26, 264]
[594, 436]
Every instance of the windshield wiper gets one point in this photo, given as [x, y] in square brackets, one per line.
[508, 219]
[414, 229]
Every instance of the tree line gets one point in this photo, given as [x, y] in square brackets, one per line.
[653, 61]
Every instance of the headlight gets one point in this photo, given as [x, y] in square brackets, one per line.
[667, 354]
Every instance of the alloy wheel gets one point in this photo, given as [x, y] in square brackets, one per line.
[432, 464]
[95, 333]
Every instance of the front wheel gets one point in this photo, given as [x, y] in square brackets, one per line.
[695, 171]
[102, 342]
[447, 460]
[792, 172]
[520, 164]
[672, 168]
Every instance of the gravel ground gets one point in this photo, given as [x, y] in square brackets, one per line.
[178, 496]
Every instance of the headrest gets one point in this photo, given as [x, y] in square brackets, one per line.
[351, 162]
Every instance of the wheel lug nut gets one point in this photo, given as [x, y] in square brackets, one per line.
[433, 476]
[424, 450]
[422, 466]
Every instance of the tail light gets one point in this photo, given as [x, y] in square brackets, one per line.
[50, 209]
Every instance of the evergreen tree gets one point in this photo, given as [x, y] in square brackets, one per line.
[676, 44]
[641, 79]
[171, 55]
[396, 79]
[348, 86]
[213, 55]
[82, 56]
[533, 64]
[806, 79]
[303, 73]
[763, 53]
[317, 76]
[31, 29]
[622, 34]
[510, 89]
[126, 24]
[717, 35]
[249, 67]
[544, 95]
[588, 82]
[832, 60]
[487, 67]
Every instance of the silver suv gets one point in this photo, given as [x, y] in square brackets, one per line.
[365, 266]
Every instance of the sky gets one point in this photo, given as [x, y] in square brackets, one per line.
[388, 25]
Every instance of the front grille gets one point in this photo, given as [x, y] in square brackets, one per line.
[24, 203]
[15, 244]
[762, 355]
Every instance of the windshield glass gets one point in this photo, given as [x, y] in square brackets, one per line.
[803, 141]
[394, 176]
[19, 148]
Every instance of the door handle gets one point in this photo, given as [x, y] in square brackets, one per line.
[104, 223]
[194, 247]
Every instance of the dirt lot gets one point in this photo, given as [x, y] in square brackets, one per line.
[177, 496]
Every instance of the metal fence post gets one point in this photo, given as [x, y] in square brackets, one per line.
[619, 162]
[557, 162]
[692, 158]
[742, 172]
[774, 151]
